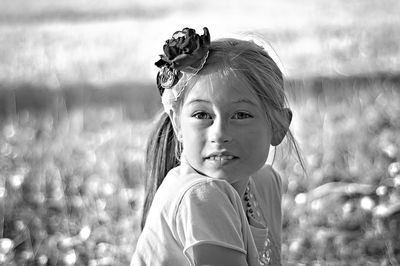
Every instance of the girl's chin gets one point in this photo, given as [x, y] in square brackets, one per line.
[230, 176]
[228, 171]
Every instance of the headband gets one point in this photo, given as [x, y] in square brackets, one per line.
[184, 56]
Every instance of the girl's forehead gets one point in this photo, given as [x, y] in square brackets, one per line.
[228, 86]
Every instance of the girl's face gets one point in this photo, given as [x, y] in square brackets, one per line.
[224, 129]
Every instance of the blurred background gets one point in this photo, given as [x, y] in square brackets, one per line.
[77, 97]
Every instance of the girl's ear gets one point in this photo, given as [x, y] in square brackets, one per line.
[285, 116]
[175, 124]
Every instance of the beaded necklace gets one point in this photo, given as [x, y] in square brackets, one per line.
[253, 212]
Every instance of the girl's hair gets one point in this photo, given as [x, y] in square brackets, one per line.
[161, 156]
[248, 62]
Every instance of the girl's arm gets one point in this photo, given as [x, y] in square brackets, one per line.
[214, 255]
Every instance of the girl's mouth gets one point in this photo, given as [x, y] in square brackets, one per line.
[221, 158]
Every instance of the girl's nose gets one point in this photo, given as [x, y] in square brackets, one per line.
[220, 132]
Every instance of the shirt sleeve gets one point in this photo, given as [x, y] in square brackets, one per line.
[269, 186]
[210, 213]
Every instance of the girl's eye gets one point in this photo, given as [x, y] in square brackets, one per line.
[202, 115]
[242, 115]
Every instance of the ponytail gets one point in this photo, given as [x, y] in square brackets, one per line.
[162, 155]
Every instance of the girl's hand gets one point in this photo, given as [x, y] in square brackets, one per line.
[214, 255]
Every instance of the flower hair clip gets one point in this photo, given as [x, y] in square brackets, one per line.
[184, 55]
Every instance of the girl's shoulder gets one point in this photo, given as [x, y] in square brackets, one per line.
[190, 192]
[200, 187]
[210, 189]
[181, 184]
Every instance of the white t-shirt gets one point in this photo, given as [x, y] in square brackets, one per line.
[190, 209]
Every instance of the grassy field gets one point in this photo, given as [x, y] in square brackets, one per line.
[70, 187]
[346, 210]
[70, 183]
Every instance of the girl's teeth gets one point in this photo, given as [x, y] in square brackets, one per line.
[221, 158]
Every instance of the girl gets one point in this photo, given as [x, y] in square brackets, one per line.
[210, 199]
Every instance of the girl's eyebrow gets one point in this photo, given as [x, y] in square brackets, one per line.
[197, 101]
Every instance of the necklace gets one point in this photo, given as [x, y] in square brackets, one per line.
[253, 212]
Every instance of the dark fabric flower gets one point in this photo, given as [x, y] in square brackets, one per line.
[185, 49]
[184, 52]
